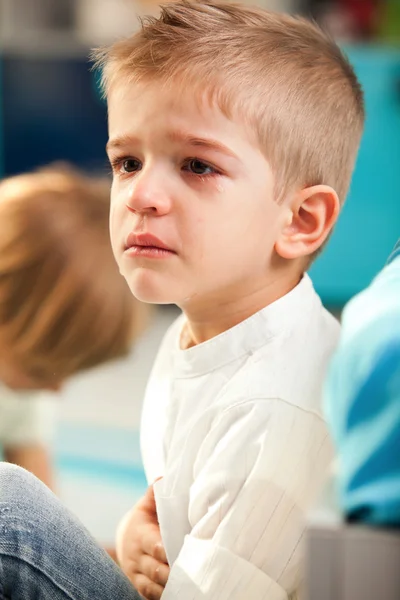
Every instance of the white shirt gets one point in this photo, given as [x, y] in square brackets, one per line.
[25, 418]
[234, 428]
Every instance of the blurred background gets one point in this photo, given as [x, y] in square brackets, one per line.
[51, 109]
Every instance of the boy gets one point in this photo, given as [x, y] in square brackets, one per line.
[233, 133]
[363, 402]
[63, 305]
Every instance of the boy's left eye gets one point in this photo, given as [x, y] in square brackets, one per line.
[198, 167]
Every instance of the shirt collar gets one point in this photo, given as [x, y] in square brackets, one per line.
[246, 337]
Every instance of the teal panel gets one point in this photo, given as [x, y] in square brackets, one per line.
[370, 222]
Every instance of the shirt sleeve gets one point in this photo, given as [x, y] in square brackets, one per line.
[27, 420]
[256, 474]
[362, 399]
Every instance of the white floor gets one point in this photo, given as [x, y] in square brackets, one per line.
[97, 444]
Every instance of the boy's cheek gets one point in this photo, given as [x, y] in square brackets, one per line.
[116, 234]
[118, 216]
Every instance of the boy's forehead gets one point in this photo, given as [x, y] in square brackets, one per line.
[134, 107]
[158, 96]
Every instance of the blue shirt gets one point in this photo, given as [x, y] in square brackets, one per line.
[362, 401]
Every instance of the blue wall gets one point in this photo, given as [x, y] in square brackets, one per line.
[51, 111]
[370, 222]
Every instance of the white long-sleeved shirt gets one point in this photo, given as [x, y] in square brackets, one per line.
[233, 426]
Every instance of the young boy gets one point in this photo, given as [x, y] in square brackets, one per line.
[63, 305]
[233, 135]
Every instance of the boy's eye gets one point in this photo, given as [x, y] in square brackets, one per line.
[130, 165]
[198, 167]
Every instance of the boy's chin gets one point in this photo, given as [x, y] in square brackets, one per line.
[152, 290]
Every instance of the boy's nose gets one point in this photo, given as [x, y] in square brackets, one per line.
[148, 194]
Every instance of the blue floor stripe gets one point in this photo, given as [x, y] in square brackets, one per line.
[127, 476]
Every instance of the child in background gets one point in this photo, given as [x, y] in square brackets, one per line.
[233, 135]
[363, 402]
[63, 305]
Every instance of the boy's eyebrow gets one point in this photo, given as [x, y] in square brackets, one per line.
[201, 142]
[120, 142]
[188, 139]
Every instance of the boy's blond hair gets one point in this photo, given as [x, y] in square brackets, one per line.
[278, 73]
[64, 306]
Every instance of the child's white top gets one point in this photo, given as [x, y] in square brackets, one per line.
[234, 428]
[25, 418]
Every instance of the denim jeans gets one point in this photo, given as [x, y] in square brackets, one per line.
[45, 554]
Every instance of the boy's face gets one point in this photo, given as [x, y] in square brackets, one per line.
[196, 181]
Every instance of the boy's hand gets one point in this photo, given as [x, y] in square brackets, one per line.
[140, 552]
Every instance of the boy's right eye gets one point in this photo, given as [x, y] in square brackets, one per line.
[130, 165]
[125, 165]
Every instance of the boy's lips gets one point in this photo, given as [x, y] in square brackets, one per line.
[146, 243]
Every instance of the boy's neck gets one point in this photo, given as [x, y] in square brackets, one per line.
[215, 315]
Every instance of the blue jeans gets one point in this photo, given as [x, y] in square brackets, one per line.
[45, 554]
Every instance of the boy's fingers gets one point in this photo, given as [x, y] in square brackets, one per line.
[152, 545]
[153, 569]
[148, 500]
[148, 589]
[159, 553]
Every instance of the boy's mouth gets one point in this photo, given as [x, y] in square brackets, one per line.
[146, 245]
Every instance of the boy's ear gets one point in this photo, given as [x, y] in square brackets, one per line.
[312, 214]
